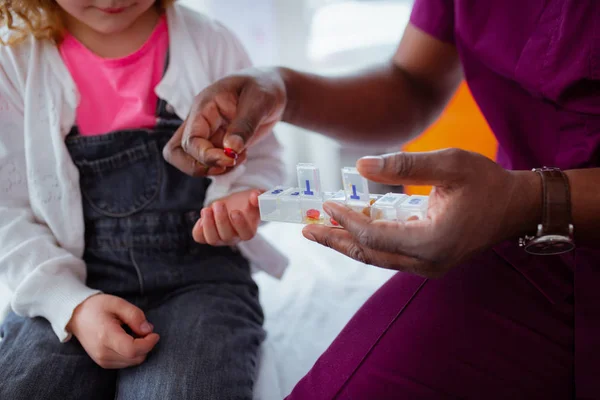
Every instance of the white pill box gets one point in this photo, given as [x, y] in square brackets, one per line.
[304, 204]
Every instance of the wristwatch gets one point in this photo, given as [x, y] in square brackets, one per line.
[555, 233]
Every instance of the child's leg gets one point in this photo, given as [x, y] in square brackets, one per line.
[210, 338]
[35, 365]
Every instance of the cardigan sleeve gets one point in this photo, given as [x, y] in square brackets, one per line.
[45, 280]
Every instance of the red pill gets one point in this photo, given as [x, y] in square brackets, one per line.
[333, 222]
[313, 214]
[230, 153]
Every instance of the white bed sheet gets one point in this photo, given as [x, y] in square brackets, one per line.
[308, 307]
[305, 310]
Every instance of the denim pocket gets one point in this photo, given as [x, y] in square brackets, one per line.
[125, 182]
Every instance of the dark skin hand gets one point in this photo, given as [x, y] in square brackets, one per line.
[183, 154]
[197, 148]
[474, 204]
[388, 104]
[464, 183]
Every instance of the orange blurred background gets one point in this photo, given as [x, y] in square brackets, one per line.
[460, 125]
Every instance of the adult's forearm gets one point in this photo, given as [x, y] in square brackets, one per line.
[585, 204]
[383, 105]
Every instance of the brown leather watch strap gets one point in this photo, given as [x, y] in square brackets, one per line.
[556, 215]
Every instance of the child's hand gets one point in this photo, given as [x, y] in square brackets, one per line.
[229, 220]
[97, 324]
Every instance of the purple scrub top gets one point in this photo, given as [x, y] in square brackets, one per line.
[533, 66]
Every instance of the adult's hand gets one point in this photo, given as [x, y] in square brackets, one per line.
[232, 113]
[474, 204]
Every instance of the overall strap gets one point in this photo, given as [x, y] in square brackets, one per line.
[164, 112]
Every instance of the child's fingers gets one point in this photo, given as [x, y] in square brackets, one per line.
[117, 361]
[252, 214]
[107, 358]
[244, 229]
[226, 231]
[129, 314]
[127, 364]
[127, 346]
[135, 362]
[144, 345]
[253, 200]
[211, 235]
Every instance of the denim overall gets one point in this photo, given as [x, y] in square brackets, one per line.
[139, 213]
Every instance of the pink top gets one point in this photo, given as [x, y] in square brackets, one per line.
[117, 93]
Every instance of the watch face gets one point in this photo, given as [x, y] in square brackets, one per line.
[550, 245]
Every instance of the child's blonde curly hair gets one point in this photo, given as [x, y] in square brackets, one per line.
[40, 18]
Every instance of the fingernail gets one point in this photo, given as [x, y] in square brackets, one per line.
[326, 208]
[235, 142]
[146, 327]
[310, 236]
[371, 164]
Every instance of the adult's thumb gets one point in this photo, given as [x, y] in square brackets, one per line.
[256, 102]
[239, 133]
[249, 114]
[433, 168]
